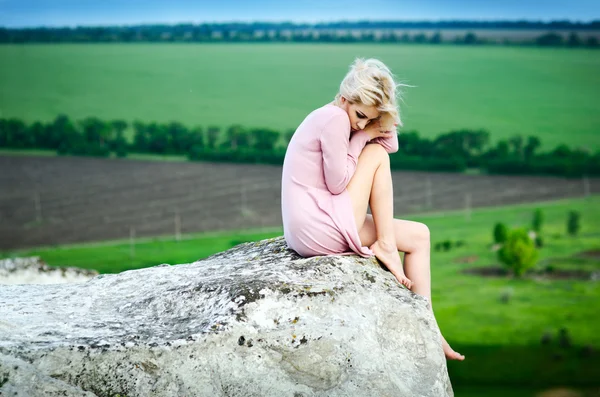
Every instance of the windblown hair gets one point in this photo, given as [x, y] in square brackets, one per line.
[371, 83]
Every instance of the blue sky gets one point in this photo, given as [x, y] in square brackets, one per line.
[26, 13]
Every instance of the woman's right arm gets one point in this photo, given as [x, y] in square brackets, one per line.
[340, 154]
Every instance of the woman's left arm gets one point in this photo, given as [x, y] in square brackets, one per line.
[389, 143]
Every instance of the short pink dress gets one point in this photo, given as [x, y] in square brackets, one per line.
[319, 162]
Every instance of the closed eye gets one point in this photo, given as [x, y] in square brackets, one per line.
[360, 115]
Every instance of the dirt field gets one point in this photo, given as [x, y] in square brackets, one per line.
[57, 200]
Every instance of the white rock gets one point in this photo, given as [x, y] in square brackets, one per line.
[324, 326]
[33, 270]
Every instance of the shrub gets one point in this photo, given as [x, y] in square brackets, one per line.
[518, 252]
[447, 245]
[564, 339]
[538, 219]
[539, 242]
[573, 225]
[500, 233]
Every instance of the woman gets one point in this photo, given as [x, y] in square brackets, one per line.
[336, 165]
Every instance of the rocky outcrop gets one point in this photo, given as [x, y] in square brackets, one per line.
[256, 320]
[33, 270]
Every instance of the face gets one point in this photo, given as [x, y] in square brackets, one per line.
[360, 115]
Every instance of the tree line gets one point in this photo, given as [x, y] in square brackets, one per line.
[335, 32]
[453, 151]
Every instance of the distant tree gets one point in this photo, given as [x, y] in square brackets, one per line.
[264, 139]
[179, 138]
[538, 220]
[386, 37]
[549, 39]
[470, 38]
[477, 141]
[118, 137]
[436, 38]
[573, 224]
[574, 40]
[120, 145]
[368, 36]
[119, 126]
[561, 151]
[408, 142]
[96, 131]
[159, 141]
[38, 133]
[500, 233]
[212, 137]
[197, 138]
[592, 42]
[15, 134]
[518, 252]
[420, 38]
[594, 164]
[516, 145]
[463, 144]
[141, 139]
[237, 137]
[4, 135]
[197, 152]
[502, 149]
[533, 143]
[62, 131]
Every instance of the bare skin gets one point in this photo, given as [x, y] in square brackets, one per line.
[371, 185]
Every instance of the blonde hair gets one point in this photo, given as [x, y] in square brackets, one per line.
[371, 83]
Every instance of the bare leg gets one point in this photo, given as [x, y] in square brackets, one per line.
[372, 183]
[413, 239]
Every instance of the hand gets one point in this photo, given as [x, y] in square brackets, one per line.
[374, 130]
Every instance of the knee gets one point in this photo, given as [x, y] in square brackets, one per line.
[375, 150]
[422, 235]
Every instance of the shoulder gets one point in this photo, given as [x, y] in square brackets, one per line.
[330, 115]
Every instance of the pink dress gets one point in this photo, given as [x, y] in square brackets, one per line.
[319, 162]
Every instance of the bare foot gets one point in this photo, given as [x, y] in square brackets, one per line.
[450, 353]
[388, 254]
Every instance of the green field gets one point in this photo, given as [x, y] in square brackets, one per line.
[548, 92]
[501, 340]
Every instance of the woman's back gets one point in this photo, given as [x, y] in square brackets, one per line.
[303, 163]
[316, 211]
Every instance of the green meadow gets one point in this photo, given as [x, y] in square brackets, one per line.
[497, 322]
[551, 93]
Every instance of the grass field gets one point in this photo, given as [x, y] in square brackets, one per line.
[551, 93]
[501, 340]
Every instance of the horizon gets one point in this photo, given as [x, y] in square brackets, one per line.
[297, 22]
[83, 13]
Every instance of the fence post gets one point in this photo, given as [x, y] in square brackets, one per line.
[243, 199]
[468, 206]
[38, 206]
[428, 194]
[177, 225]
[131, 242]
[586, 186]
